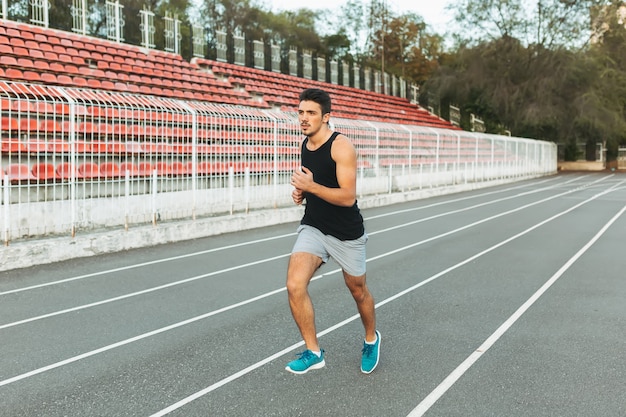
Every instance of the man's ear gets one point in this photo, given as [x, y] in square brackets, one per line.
[326, 118]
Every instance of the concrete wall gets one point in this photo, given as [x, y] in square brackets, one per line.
[21, 254]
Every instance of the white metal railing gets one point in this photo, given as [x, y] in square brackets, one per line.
[77, 159]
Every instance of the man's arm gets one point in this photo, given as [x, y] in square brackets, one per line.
[344, 155]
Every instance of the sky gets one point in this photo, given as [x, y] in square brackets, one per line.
[433, 12]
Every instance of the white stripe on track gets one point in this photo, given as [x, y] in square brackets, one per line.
[451, 379]
[142, 264]
[257, 365]
[142, 292]
[252, 242]
[198, 277]
[265, 295]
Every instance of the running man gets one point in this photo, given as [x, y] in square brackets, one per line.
[332, 227]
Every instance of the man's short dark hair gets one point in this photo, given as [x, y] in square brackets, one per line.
[318, 96]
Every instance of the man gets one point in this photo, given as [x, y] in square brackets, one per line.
[332, 226]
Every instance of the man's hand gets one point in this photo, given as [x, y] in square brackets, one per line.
[302, 179]
[297, 196]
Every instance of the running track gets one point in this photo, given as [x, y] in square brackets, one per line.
[506, 301]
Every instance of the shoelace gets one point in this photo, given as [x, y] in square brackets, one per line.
[367, 349]
[306, 356]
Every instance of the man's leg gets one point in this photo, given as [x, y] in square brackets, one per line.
[301, 268]
[370, 353]
[364, 303]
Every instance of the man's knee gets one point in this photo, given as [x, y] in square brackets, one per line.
[296, 286]
[301, 268]
[357, 286]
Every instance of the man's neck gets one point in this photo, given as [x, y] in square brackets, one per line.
[320, 136]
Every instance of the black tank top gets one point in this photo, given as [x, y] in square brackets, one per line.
[344, 223]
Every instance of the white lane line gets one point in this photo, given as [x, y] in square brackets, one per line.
[142, 292]
[247, 370]
[135, 339]
[142, 264]
[471, 197]
[212, 313]
[252, 242]
[451, 379]
[198, 277]
[257, 365]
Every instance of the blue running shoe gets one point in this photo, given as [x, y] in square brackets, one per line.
[306, 361]
[371, 355]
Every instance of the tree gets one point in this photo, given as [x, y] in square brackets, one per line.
[353, 16]
[410, 51]
[548, 23]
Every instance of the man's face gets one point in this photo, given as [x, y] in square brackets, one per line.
[311, 118]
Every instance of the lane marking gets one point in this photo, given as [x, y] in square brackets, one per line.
[282, 352]
[142, 264]
[451, 379]
[198, 277]
[142, 292]
[252, 242]
[257, 365]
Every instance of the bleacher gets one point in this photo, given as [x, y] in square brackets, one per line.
[113, 133]
[96, 133]
[39, 55]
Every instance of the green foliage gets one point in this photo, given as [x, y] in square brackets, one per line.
[541, 86]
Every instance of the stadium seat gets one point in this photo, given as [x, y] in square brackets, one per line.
[132, 169]
[89, 170]
[110, 170]
[205, 168]
[44, 171]
[163, 168]
[19, 173]
[10, 123]
[164, 148]
[179, 168]
[65, 80]
[117, 147]
[28, 124]
[37, 146]
[145, 169]
[32, 76]
[59, 146]
[66, 170]
[12, 146]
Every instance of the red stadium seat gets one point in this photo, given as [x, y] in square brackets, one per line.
[163, 168]
[19, 173]
[145, 169]
[89, 170]
[32, 76]
[99, 147]
[117, 147]
[49, 125]
[12, 145]
[10, 123]
[44, 171]
[204, 167]
[65, 80]
[66, 170]
[132, 169]
[110, 170]
[179, 168]
[37, 146]
[29, 125]
[59, 146]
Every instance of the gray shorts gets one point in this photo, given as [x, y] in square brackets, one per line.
[349, 254]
